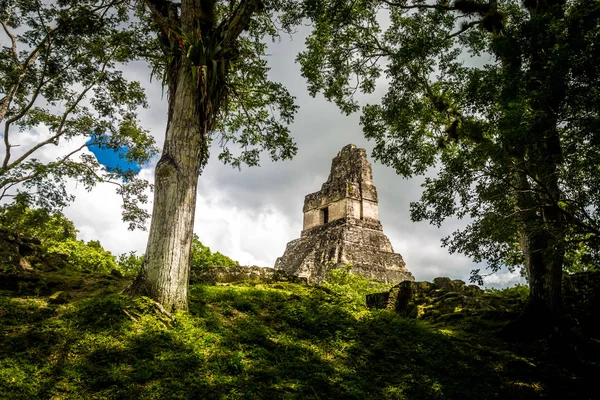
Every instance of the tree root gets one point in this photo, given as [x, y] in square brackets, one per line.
[162, 310]
[157, 307]
[129, 315]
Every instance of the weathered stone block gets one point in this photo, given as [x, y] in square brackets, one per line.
[14, 250]
[378, 300]
[443, 283]
[428, 300]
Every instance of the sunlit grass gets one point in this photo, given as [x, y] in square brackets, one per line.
[253, 340]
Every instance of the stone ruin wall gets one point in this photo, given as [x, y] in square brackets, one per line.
[215, 275]
[446, 299]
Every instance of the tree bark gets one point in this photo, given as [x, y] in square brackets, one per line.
[541, 242]
[543, 252]
[165, 272]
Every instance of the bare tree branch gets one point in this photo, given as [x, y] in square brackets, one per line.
[12, 37]
[232, 27]
[14, 181]
[8, 99]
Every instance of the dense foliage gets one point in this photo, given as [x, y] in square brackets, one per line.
[352, 287]
[77, 255]
[60, 249]
[39, 223]
[499, 98]
[130, 263]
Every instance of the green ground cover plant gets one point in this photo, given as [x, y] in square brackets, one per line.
[262, 341]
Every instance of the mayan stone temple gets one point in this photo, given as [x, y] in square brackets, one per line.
[341, 226]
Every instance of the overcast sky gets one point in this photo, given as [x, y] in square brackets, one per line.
[251, 214]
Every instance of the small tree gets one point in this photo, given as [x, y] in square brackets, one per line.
[501, 97]
[60, 69]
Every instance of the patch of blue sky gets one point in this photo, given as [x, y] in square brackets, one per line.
[113, 159]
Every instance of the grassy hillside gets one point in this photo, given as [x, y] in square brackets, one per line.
[259, 341]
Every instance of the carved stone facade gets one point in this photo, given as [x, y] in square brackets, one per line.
[341, 226]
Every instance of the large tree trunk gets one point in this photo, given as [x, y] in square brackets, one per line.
[541, 221]
[543, 236]
[544, 270]
[165, 272]
[544, 256]
[542, 244]
[194, 103]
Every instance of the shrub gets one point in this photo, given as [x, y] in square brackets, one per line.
[80, 256]
[130, 263]
[202, 257]
[342, 282]
[60, 247]
[36, 222]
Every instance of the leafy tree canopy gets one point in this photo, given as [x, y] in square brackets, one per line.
[499, 97]
[240, 108]
[60, 69]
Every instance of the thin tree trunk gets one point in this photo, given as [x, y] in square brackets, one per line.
[165, 272]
